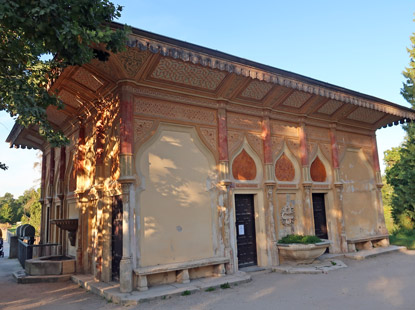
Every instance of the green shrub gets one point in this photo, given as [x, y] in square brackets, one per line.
[299, 239]
[225, 286]
[404, 237]
[186, 293]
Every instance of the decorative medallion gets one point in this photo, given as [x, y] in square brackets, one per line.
[284, 169]
[318, 171]
[187, 74]
[243, 167]
[287, 212]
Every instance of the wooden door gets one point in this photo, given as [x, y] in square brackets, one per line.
[116, 237]
[319, 210]
[245, 230]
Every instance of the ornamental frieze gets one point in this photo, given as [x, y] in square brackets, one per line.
[283, 129]
[353, 139]
[210, 136]
[141, 129]
[235, 139]
[277, 143]
[187, 74]
[255, 141]
[316, 133]
[132, 59]
[245, 122]
[166, 110]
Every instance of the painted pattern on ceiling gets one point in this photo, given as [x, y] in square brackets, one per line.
[330, 107]
[257, 90]
[187, 74]
[366, 115]
[87, 79]
[69, 99]
[296, 99]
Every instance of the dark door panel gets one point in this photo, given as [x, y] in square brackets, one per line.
[245, 230]
[319, 210]
[116, 237]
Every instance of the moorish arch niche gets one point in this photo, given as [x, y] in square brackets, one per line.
[287, 169]
[246, 166]
[359, 194]
[320, 168]
[176, 199]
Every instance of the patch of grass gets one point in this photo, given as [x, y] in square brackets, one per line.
[404, 237]
[333, 263]
[299, 239]
[186, 293]
[225, 286]
[210, 289]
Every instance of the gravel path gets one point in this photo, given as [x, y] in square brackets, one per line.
[383, 282]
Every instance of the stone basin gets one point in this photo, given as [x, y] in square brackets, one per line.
[297, 254]
[50, 265]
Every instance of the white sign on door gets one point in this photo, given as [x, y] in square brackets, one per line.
[241, 229]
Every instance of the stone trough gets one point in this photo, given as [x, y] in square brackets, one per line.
[50, 265]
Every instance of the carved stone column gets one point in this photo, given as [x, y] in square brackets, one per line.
[126, 179]
[225, 205]
[61, 195]
[381, 225]
[43, 229]
[79, 166]
[307, 183]
[270, 186]
[338, 184]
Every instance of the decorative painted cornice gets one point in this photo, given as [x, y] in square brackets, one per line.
[168, 47]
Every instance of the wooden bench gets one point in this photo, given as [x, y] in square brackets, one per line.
[182, 270]
[366, 243]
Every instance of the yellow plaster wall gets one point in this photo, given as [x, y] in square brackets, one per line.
[358, 195]
[175, 204]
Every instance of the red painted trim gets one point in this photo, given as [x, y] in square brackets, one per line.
[126, 122]
[266, 136]
[303, 147]
[52, 167]
[43, 180]
[375, 154]
[223, 135]
[62, 163]
[334, 152]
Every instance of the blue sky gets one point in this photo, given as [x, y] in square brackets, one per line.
[360, 45]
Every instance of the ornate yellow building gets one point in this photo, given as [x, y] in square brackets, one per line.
[186, 162]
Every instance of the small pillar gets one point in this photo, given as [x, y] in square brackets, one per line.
[338, 184]
[126, 179]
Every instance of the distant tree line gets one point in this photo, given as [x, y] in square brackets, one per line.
[26, 208]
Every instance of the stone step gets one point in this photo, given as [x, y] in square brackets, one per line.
[23, 278]
[111, 291]
[360, 255]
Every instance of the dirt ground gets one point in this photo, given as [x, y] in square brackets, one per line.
[383, 282]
